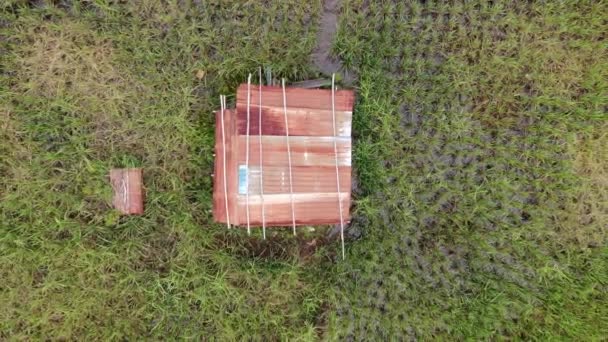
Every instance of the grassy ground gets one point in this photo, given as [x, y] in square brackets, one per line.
[483, 171]
[481, 207]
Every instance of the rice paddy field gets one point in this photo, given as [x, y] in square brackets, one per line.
[480, 200]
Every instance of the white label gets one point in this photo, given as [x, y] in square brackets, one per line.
[243, 179]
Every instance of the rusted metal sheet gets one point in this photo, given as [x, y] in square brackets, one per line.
[310, 208]
[306, 179]
[297, 98]
[302, 121]
[312, 195]
[128, 190]
[305, 151]
[225, 148]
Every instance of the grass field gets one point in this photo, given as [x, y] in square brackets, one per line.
[480, 206]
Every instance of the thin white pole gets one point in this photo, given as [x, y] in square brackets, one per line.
[333, 114]
[293, 214]
[223, 108]
[247, 153]
[125, 183]
[261, 160]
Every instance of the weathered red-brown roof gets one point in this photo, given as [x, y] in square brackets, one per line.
[313, 159]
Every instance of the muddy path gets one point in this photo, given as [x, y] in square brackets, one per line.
[321, 56]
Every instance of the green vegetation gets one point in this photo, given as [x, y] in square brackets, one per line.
[481, 207]
[91, 87]
[483, 167]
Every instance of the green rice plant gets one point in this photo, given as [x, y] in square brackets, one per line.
[482, 113]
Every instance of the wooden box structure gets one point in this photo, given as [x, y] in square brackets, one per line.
[282, 155]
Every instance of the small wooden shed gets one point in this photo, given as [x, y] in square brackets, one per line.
[280, 155]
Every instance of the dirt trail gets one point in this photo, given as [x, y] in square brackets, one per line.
[328, 26]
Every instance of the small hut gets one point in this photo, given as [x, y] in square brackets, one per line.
[283, 157]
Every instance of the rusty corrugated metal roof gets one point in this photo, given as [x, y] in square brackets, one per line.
[256, 182]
